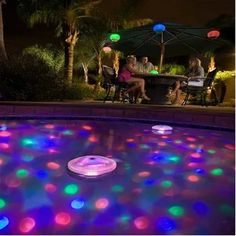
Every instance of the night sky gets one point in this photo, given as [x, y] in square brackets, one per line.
[189, 12]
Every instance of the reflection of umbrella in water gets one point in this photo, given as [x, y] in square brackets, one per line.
[168, 39]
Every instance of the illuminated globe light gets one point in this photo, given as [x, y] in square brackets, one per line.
[62, 218]
[117, 188]
[158, 28]
[106, 49]
[166, 224]
[216, 171]
[91, 165]
[5, 134]
[101, 203]
[77, 203]
[51, 188]
[193, 178]
[144, 174]
[141, 222]
[166, 183]
[4, 221]
[53, 165]
[176, 211]
[162, 129]
[213, 34]
[2, 203]
[114, 37]
[71, 189]
[22, 173]
[154, 72]
[27, 224]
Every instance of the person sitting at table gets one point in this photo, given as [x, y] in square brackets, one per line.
[126, 75]
[195, 72]
[144, 66]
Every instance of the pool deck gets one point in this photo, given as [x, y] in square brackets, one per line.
[211, 116]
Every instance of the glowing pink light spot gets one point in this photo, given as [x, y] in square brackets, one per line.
[53, 165]
[106, 49]
[196, 155]
[27, 224]
[144, 174]
[92, 139]
[4, 146]
[101, 203]
[192, 164]
[62, 218]
[164, 136]
[190, 139]
[52, 136]
[87, 127]
[49, 126]
[1, 161]
[129, 140]
[137, 190]
[141, 222]
[193, 178]
[162, 144]
[192, 146]
[51, 188]
[12, 182]
[151, 163]
[5, 134]
[229, 146]
[52, 151]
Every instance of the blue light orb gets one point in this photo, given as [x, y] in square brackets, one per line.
[3, 222]
[166, 224]
[77, 203]
[200, 208]
[158, 28]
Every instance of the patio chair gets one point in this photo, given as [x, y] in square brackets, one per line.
[110, 80]
[202, 90]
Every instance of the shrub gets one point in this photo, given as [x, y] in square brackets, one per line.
[173, 69]
[224, 75]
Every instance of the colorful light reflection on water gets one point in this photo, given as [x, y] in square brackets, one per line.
[178, 183]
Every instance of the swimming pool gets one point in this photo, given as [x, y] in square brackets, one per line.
[176, 183]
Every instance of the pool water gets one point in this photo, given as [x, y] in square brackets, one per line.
[176, 183]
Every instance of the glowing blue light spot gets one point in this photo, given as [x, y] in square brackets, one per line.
[149, 182]
[83, 133]
[199, 150]
[200, 171]
[77, 203]
[4, 221]
[131, 145]
[41, 174]
[3, 127]
[200, 208]
[166, 224]
[158, 28]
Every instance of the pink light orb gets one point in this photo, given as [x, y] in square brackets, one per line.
[230, 146]
[27, 224]
[196, 155]
[101, 203]
[51, 188]
[141, 222]
[213, 34]
[62, 218]
[53, 165]
[5, 134]
[144, 174]
[49, 126]
[193, 178]
[190, 139]
[106, 49]
[4, 146]
[91, 165]
[87, 127]
[162, 129]
[12, 181]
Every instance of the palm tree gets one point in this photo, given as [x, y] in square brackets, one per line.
[3, 55]
[67, 16]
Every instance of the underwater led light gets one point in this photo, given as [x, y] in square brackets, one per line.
[162, 129]
[91, 165]
[114, 37]
[158, 28]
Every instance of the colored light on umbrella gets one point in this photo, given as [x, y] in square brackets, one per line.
[2, 203]
[62, 218]
[27, 224]
[213, 34]
[154, 72]
[22, 173]
[176, 211]
[4, 221]
[101, 203]
[114, 37]
[141, 223]
[77, 203]
[106, 49]
[71, 189]
[217, 171]
[158, 28]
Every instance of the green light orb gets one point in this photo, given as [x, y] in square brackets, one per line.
[166, 184]
[114, 37]
[154, 72]
[211, 151]
[68, 132]
[176, 211]
[117, 188]
[124, 218]
[227, 209]
[217, 171]
[71, 189]
[27, 142]
[22, 173]
[174, 159]
[2, 203]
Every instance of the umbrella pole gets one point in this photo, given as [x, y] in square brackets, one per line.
[162, 52]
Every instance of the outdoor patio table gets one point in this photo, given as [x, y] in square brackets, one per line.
[157, 86]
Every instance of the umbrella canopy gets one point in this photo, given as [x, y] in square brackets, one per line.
[166, 39]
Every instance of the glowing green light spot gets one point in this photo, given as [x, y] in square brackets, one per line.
[217, 171]
[71, 189]
[144, 146]
[22, 173]
[27, 142]
[2, 203]
[166, 184]
[154, 72]
[117, 188]
[114, 37]
[227, 209]
[68, 132]
[174, 158]
[124, 218]
[176, 211]
[178, 141]
[27, 158]
[211, 151]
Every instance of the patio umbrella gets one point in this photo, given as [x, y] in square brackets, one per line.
[165, 39]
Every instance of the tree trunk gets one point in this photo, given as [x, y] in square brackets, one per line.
[85, 68]
[3, 55]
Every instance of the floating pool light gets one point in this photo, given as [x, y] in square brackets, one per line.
[114, 37]
[106, 49]
[154, 72]
[159, 28]
[162, 129]
[213, 34]
[91, 166]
